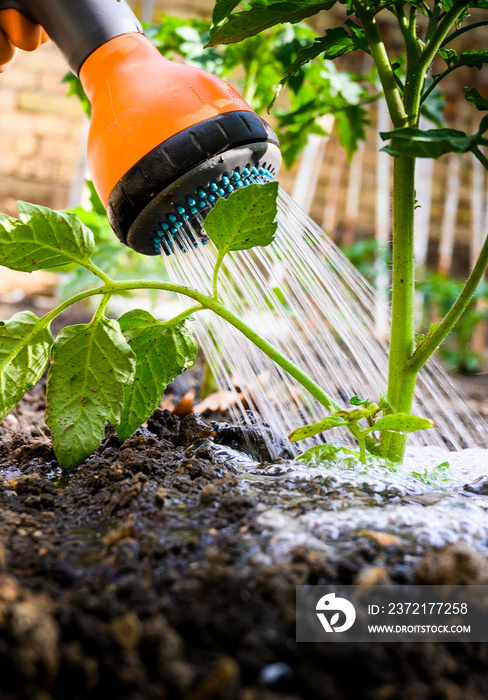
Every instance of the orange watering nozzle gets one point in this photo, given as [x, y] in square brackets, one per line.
[166, 140]
[162, 137]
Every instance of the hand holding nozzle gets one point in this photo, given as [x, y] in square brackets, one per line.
[17, 32]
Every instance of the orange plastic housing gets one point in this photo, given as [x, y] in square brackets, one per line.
[140, 99]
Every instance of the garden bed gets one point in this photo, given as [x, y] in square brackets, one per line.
[166, 567]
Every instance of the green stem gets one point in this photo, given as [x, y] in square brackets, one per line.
[411, 35]
[480, 156]
[402, 20]
[401, 377]
[436, 82]
[440, 34]
[101, 309]
[435, 16]
[97, 272]
[427, 348]
[48, 318]
[215, 280]
[461, 30]
[415, 74]
[386, 74]
[362, 449]
[184, 315]
[277, 357]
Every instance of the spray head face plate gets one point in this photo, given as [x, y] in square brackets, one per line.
[175, 217]
[186, 226]
[160, 205]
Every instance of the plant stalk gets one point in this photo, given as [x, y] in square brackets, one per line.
[401, 376]
[439, 36]
[184, 315]
[380, 56]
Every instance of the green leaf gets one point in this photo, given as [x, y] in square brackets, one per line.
[448, 55]
[473, 95]
[351, 123]
[356, 401]
[24, 353]
[402, 423]
[316, 428]
[324, 453]
[162, 352]
[335, 42]
[76, 88]
[474, 58]
[432, 143]
[90, 367]
[358, 36]
[244, 220]
[262, 15]
[433, 108]
[222, 9]
[438, 473]
[42, 238]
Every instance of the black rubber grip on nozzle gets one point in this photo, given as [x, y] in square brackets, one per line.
[177, 156]
[78, 27]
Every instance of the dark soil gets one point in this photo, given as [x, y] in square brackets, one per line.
[146, 574]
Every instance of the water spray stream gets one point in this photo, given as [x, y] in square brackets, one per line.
[305, 297]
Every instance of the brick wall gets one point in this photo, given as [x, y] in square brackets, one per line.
[39, 131]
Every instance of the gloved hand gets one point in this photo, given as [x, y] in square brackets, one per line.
[17, 32]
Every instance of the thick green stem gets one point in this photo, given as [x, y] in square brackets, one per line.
[391, 90]
[415, 73]
[402, 373]
[404, 111]
[401, 377]
[434, 339]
